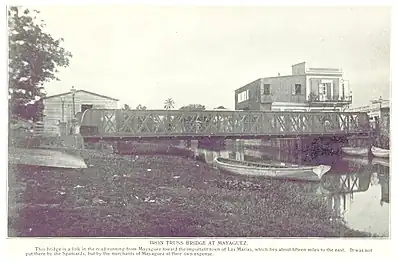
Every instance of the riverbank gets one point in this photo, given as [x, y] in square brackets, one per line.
[161, 195]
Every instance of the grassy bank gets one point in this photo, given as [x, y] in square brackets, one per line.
[122, 195]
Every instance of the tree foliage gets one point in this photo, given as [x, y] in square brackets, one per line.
[194, 120]
[193, 107]
[126, 107]
[169, 104]
[220, 108]
[141, 107]
[34, 56]
[313, 97]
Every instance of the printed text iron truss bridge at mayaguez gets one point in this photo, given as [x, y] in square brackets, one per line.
[118, 124]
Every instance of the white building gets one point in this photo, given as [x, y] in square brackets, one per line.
[306, 89]
[372, 109]
[61, 109]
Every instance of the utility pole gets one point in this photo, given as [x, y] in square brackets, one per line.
[73, 91]
[63, 108]
[377, 121]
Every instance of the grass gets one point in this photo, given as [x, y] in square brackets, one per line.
[161, 196]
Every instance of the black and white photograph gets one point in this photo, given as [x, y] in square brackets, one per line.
[195, 121]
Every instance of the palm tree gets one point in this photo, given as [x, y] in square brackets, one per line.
[169, 104]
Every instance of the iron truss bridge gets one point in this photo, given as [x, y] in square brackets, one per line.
[107, 124]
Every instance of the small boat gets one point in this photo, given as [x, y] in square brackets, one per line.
[381, 161]
[361, 151]
[44, 158]
[380, 152]
[272, 170]
[356, 160]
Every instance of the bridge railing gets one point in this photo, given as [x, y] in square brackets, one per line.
[152, 123]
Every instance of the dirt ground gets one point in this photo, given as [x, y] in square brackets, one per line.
[161, 196]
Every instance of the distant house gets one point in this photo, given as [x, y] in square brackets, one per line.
[307, 89]
[61, 109]
[374, 109]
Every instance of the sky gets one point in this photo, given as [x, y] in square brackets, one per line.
[200, 55]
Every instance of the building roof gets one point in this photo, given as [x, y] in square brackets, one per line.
[372, 107]
[80, 90]
[306, 74]
[385, 107]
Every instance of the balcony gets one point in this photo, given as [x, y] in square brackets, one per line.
[328, 100]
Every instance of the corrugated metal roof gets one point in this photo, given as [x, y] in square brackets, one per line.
[80, 90]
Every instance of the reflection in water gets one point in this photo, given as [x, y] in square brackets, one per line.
[363, 191]
[356, 189]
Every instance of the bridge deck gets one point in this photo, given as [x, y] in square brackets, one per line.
[137, 124]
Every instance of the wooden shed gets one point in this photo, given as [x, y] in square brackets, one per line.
[60, 110]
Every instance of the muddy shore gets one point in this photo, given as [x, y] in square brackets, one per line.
[159, 196]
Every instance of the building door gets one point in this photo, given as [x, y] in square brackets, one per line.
[325, 90]
[322, 91]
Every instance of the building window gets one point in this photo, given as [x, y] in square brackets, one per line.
[267, 89]
[85, 107]
[243, 96]
[297, 89]
[322, 91]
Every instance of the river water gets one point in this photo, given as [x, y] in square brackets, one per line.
[357, 189]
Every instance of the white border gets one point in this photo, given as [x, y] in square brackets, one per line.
[384, 248]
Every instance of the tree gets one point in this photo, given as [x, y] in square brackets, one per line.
[140, 107]
[34, 56]
[141, 119]
[193, 107]
[169, 104]
[197, 121]
[313, 97]
[220, 108]
[126, 107]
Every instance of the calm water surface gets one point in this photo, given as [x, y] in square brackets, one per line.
[357, 189]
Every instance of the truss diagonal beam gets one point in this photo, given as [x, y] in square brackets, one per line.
[154, 123]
